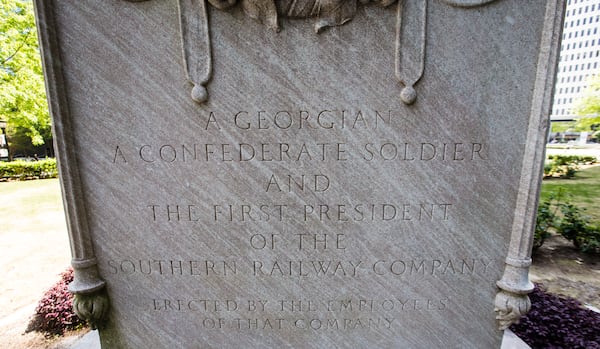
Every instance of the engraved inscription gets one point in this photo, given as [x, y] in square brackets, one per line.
[316, 268]
[306, 119]
[321, 254]
[316, 183]
[307, 152]
[324, 212]
[349, 314]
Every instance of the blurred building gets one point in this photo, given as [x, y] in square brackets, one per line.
[3, 142]
[579, 56]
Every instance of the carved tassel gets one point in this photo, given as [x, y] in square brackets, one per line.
[196, 46]
[411, 31]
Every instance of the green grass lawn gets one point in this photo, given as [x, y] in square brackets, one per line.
[582, 191]
[34, 245]
[24, 205]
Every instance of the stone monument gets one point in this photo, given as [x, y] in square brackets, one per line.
[300, 174]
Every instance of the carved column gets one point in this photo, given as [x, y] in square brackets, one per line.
[512, 301]
[90, 300]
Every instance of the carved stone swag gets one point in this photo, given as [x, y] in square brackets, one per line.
[91, 302]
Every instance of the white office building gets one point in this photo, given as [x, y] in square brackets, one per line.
[579, 56]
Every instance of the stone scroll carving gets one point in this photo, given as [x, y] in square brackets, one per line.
[411, 32]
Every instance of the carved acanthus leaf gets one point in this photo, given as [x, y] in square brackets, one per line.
[510, 307]
[92, 308]
[329, 13]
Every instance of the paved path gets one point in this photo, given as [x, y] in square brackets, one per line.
[34, 250]
[588, 150]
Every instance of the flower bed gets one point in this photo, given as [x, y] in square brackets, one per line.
[558, 322]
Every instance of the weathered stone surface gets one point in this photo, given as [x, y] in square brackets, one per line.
[228, 185]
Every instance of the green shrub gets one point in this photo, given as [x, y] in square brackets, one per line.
[573, 159]
[21, 170]
[572, 222]
[54, 313]
[567, 220]
[565, 166]
[589, 240]
[545, 222]
[575, 226]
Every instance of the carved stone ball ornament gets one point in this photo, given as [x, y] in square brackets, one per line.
[411, 32]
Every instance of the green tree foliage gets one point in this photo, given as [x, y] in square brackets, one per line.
[22, 94]
[562, 126]
[588, 108]
[589, 104]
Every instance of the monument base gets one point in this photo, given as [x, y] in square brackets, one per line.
[92, 341]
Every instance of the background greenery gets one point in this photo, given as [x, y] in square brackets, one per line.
[583, 191]
[45, 168]
[22, 93]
